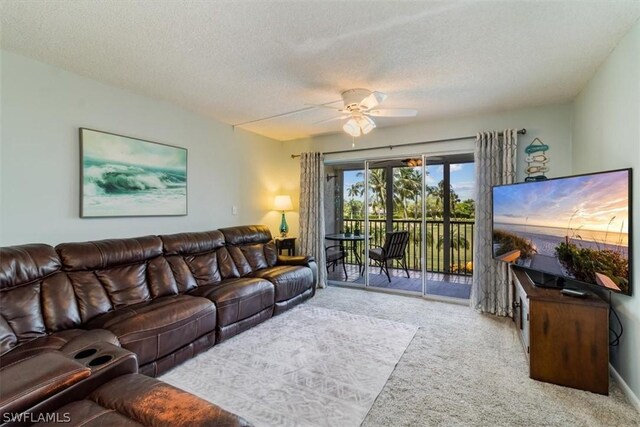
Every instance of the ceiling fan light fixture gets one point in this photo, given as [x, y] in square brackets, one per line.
[352, 127]
[366, 124]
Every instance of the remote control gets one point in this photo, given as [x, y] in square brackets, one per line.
[574, 292]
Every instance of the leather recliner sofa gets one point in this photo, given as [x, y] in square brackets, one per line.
[165, 298]
[142, 304]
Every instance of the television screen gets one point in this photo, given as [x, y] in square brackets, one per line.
[576, 227]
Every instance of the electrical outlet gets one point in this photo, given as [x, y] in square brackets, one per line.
[234, 210]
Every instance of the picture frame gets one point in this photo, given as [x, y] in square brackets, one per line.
[122, 176]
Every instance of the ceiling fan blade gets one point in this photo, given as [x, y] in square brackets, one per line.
[373, 99]
[393, 112]
[332, 119]
[326, 106]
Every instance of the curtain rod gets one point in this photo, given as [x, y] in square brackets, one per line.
[391, 147]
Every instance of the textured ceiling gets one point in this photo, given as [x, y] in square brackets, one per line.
[243, 60]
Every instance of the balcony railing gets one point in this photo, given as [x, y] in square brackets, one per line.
[460, 245]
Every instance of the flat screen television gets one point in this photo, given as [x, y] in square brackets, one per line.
[576, 228]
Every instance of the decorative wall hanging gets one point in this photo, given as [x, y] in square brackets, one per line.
[537, 159]
[122, 176]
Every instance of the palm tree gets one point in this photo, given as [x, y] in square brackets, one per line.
[377, 184]
[353, 191]
[407, 186]
[356, 189]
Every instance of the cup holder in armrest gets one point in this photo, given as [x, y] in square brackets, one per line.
[85, 353]
[101, 360]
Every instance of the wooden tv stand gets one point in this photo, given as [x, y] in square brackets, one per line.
[566, 339]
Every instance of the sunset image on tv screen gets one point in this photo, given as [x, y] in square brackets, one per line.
[576, 227]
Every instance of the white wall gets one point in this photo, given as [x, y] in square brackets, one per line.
[606, 135]
[42, 108]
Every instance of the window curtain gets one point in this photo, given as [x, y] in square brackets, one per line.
[312, 211]
[495, 157]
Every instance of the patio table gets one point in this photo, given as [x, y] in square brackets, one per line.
[342, 238]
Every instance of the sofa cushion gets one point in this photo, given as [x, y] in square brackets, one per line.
[114, 273]
[194, 259]
[246, 234]
[156, 328]
[87, 413]
[102, 254]
[192, 243]
[32, 380]
[26, 263]
[154, 403]
[240, 260]
[289, 280]
[22, 311]
[27, 274]
[238, 299]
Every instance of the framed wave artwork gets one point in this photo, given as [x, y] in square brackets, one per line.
[123, 177]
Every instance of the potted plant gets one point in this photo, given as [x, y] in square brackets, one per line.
[347, 231]
[356, 229]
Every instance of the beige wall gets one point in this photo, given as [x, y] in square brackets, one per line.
[606, 135]
[43, 107]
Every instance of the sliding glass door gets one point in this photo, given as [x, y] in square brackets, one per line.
[345, 216]
[395, 224]
[402, 224]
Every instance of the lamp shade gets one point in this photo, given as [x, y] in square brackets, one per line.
[283, 203]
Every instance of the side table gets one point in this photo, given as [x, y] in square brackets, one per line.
[288, 243]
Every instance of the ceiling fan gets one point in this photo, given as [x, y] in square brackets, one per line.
[359, 107]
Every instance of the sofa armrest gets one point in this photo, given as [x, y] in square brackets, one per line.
[304, 261]
[28, 382]
[295, 260]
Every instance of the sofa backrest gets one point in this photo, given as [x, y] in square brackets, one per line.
[43, 289]
[35, 296]
[198, 259]
[251, 247]
[114, 273]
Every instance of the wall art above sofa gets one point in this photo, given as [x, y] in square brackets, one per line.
[122, 176]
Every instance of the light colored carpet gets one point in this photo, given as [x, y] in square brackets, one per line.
[466, 369]
[311, 366]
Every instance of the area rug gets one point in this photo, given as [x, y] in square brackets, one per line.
[310, 366]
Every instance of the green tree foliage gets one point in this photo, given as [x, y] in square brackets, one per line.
[465, 209]
[407, 189]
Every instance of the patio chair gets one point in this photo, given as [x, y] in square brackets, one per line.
[334, 255]
[395, 246]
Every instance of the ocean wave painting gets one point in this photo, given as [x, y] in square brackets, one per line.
[123, 176]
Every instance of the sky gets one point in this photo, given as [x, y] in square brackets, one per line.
[462, 179]
[104, 146]
[590, 202]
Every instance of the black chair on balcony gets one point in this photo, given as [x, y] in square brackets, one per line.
[335, 254]
[395, 246]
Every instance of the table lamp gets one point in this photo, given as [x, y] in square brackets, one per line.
[283, 203]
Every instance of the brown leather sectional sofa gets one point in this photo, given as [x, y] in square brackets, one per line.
[162, 298]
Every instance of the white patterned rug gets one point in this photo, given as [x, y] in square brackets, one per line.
[310, 366]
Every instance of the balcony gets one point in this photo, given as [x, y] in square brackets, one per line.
[449, 259]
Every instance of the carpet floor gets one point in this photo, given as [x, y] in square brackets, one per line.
[467, 369]
[310, 366]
